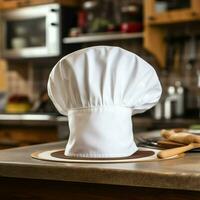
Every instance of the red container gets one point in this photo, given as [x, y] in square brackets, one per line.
[130, 27]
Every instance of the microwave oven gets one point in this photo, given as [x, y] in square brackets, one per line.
[35, 31]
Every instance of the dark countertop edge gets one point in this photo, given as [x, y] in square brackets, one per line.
[188, 181]
[26, 120]
[29, 123]
[20, 120]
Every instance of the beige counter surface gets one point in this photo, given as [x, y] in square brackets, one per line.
[182, 173]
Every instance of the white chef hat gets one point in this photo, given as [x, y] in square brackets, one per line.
[99, 88]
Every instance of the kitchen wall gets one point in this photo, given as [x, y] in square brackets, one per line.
[183, 60]
[28, 78]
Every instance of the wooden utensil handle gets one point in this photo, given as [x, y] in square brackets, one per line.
[181, 137]
[175, 151]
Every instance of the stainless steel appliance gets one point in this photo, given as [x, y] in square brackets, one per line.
[34, 31]
[172, 104]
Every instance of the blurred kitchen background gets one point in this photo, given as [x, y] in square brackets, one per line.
[35, 34]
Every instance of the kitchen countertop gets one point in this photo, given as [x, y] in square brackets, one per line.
[182, 173]
[31, 119]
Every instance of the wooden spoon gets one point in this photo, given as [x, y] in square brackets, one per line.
[175, 151]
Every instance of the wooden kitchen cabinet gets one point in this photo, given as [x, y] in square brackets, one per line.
[63, 2]
[157, 25]
[12, 4]
[6, 4]
[22, 136]
[190, 13]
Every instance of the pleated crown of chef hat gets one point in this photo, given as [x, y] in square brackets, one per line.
[99, 89]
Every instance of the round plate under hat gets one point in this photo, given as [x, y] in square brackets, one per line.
[57, 155]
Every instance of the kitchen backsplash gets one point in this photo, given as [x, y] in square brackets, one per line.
[27, 79]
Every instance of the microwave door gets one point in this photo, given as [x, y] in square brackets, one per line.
[53, 33]
[31, 32]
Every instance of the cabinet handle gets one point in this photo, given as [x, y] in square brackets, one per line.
[194, 14]
[151, 18]
[54, 24]
[54, 10]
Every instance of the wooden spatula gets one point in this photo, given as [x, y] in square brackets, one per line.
[175, 151]
[180, 137]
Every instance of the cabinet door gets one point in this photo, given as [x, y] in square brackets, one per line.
[8, 4]
[11, 4]
[160, 12]
[20, 136]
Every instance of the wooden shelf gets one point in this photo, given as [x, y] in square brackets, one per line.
[101, 37]
[154, 33]
[13, 4]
